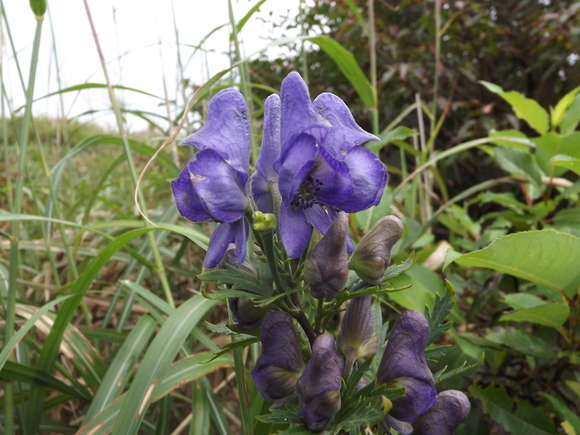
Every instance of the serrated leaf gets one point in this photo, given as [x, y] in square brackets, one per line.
[545, 257]
[523, 300]
[571, 117]
[520, 341]
[518, 417]
[290, 414]
[397, 269]
[550, 314]
[441, 308]
[518, 162]
[506, 143]
[552, 144]
[443, 374]
[425, 284]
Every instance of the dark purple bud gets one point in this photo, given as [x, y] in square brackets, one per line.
[451, 410]
[319, 387]
[280, 364]
[372, 255]
[357, 338]
[326, 271]
[404, 365]
[246, 315]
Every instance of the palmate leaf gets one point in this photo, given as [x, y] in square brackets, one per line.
[238, 278]
[443, 305]
[518, 417]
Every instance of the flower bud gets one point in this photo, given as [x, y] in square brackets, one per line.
[264, 222]
[357, 338]
[280, 364]
[372, 256]
[246, 315]
[451, 410]
[326, 271]
[404, 365]
[319, 387]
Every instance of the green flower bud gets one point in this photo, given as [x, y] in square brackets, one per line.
[264, 222]
[372, 256]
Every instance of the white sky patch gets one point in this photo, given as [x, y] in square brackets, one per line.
[138, 40]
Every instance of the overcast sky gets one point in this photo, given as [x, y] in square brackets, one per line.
[130, 32]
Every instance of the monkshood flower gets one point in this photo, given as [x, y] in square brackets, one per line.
[372, 255]
[404, 365]
[221, 166]
[452, 409]
[280, 364]
[319, 387]
[319, 164]
[326, 271]
[357, 338]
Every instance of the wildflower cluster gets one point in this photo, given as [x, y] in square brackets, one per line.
[311, 172]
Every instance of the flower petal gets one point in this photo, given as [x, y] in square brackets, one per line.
[223, 235]
[261, 194]
[444, 418]
[369, 175]
[318, 218]
[298, 113]
[280, 364]
[345, 132]
[294, 231]
[295, 165]
[219, 185]
[187, 200]
[336, 184]
[270, 149]
[227, 129]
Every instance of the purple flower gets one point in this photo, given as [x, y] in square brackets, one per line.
[404, 365]
[221, 165]
[280, 364]
[326, 271]
[319, 387]
[265, 178]
[319, 164]
[452, 409]
[357, 338]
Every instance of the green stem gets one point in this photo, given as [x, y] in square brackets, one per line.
[127, 148]
[373, 59]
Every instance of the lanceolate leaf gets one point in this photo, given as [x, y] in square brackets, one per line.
[157, 360]
[518, 417]
[544, 257]
[443, 305]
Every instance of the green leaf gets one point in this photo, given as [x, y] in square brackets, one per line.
[122, 366]
[443, 306]
[571, 117]
[248, 15]
[552, 144]
[425, 284]
[510, 133]
[520, 341]
[518, 417]
[523, 300]
[442, 375]
[157, 360]
[567, 162]
[52, 344]
[290, 414]
[397, 269]
[562, 106]
[564, 412]
[545, 257]
[367, 218]
[240, 279]
[398, 133]
[550, 314]
[15, 372]
[349, 67]
[517, 161]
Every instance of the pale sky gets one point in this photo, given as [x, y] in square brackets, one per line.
[129, 33]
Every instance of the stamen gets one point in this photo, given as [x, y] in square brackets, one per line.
[305, 197]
